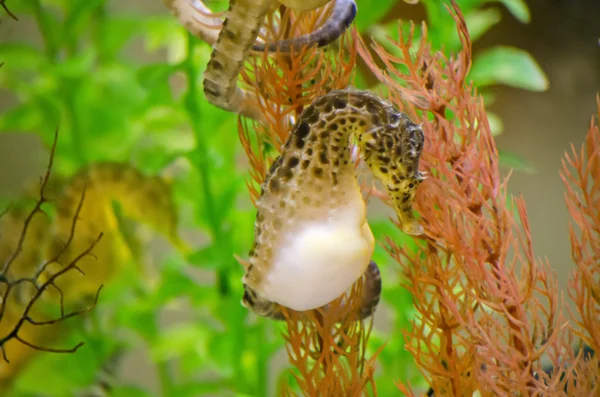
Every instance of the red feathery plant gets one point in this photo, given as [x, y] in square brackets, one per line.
[487, 309]
[581, 175]
[329, 358]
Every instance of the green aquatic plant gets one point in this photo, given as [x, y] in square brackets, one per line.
[152, 116]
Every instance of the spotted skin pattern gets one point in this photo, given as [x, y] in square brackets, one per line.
[237, 38]
[315, 174]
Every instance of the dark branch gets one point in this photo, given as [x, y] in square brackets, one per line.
[35, 210]
[36, 281]
[13, 16]
[49, 349]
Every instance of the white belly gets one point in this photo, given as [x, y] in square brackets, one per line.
[318, 262]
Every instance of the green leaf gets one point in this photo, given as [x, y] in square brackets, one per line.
[369, 14]
[158, 73]
[78, 65]
[510, 66]
[518, 8]
[221, 351]
[496, 124]
[78, 18]
[138, 316]
[227, 199]
[514, 161]
[129, 391]
[206, 257]
[176, 284]
[21, 118]
[22, 57]
[117, 32]
[166, 32]
[76, 370]
[480, 21]
[179, 339]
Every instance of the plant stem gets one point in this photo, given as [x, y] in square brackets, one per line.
[69, 98]
[166, 381]
[262, 361]
[199, 159]
[44, 25]
[69, 94]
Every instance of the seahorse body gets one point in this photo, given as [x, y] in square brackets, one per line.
[200, 21]
[141, 198]
[312, 240]
[238, 36]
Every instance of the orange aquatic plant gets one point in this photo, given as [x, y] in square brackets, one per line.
[488, 313]
[485, 305]
[581, 175]
[328, 351]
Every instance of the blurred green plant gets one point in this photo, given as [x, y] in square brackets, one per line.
[87, 75]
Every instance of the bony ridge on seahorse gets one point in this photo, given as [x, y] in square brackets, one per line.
[312, 239]
[238, 36]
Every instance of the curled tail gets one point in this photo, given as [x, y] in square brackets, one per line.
[371, 291]
[200, 21]
[342, 15]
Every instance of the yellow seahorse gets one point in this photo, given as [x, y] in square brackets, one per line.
[144, 199]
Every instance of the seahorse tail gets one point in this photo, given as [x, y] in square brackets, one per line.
[342, 15]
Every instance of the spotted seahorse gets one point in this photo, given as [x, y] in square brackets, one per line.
[312, 239]
[238, 36]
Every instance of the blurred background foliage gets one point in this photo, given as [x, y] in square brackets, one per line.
[112, 106]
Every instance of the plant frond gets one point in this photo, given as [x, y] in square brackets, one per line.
[486, 307]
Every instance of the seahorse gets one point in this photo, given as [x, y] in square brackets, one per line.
[145, 199]
[312, 239]
[238, 36]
